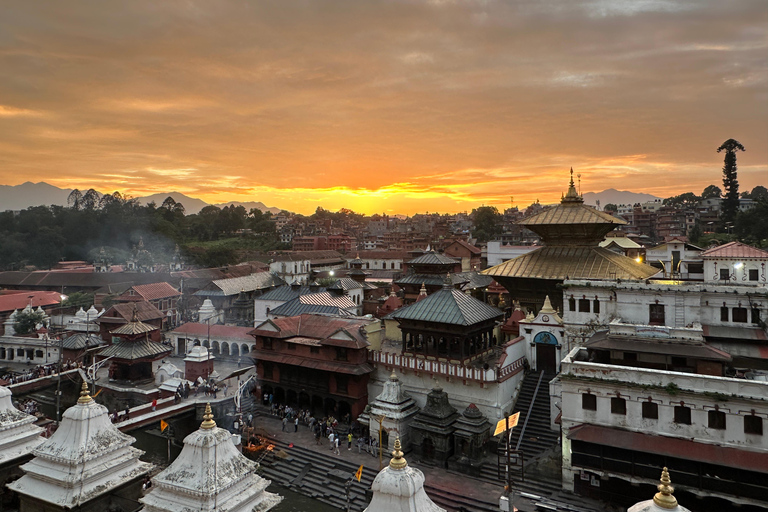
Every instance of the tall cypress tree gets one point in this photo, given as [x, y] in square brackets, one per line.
[730, 182]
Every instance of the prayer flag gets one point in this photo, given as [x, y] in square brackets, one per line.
[359, 473]
[163, 425]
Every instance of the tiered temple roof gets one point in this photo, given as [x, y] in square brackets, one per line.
[18, 434]
[85, 458]
[210, 474]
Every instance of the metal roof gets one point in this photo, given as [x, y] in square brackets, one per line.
[80, 341]
[257, 281]
[572, 262]
[133, 328]
[571, 213]
[346, 283]
[295, 307]
[472, 280]
[433, 258]
[133, 350]
[433, 279]
[287, 292]
[448, 306]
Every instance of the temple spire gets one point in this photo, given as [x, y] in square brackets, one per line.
[397, 461]
[572, 196]
[664, 497]
[208, 422]
[85, 396]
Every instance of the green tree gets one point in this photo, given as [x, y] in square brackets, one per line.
[78, 300]
[687, 200]
[610, 207]
[488, 223]
[26, 321]
[730, 206]
[752, 225]
[759, 192]
[711, 191]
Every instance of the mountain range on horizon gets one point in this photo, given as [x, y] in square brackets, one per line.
[19, 197]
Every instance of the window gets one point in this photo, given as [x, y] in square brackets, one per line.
[341, 354]
[267, 344]
[753, 425]
[588, 402]
[656, 314]
[571, 304]
[725, 274]
[755, 316]
[716, 420]
[596, 306]
[583, 305]
[724, 314]
[268, 371]
[341, 384]
[740, 315]
[39, 353]
[291, 346]
[650, 410]
[753, 274]
[618, 406]
[630, 356]
[679, 362]
[695, 268]
[682, 415]
[314, 350]
[19, 351]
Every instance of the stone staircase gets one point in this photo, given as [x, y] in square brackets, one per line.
[537, 437]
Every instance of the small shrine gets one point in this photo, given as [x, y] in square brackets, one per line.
[207, 311]
[392, 303]
[133, 355]
[210, 474]
[18, 433]
[473, 430]
[240, 313]
[198, 363]
[663, 501]
[399, 487]
[392, 410]
[433, 427]
[87, 464]
[427, 271]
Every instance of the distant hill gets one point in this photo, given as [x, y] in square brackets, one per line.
[20, 197]
[613, 196]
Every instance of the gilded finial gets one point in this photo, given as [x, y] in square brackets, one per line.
[398, 461]
[85, 396]
[208, 422]
[664, 498]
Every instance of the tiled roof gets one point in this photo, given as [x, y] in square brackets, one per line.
[133, 350]
[19, 299]
[471, 248]
[574, 262]
[257, 281]
[448, 306]
[217, 331]
[92, 280]
[330, 330]
[144, 310]
[78, 341]
[316, 364]
[314, 257]
[383, 255]
[735, 250]
[154, 291]
[433, 258]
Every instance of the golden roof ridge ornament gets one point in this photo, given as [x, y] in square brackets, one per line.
[85, 396]
[664, 497]
[397, 461]
[572, 196]
[548, 309]
[208, 422]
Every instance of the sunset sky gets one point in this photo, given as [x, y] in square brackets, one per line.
[382, 106]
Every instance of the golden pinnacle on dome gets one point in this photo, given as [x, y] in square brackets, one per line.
[398, 461]
[664, 498]
[208, 422]
[85, 396]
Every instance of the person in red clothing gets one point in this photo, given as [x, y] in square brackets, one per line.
[154, 404]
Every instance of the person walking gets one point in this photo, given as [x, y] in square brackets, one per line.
[154, 405]
[336, 443]
[296, 424]
[349, 442]
[285, 422]
[331, 438]
[359, 444]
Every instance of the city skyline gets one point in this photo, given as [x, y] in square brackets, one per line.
[379, 107]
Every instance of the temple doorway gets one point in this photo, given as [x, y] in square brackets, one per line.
[546, 359]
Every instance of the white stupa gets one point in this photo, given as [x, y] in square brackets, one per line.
[206, 311]
[210, 474]
[85, 459]
[18, 434]
[400, 488]
[663, 501]
[395, 409]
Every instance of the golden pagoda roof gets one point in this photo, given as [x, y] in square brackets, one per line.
[572, 262]
[572, 213]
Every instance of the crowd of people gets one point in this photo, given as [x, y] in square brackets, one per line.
[43, 370]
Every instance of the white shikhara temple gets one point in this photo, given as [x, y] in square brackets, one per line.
[87, 458]
[210, 474]
[400, 488]
[18, 434]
